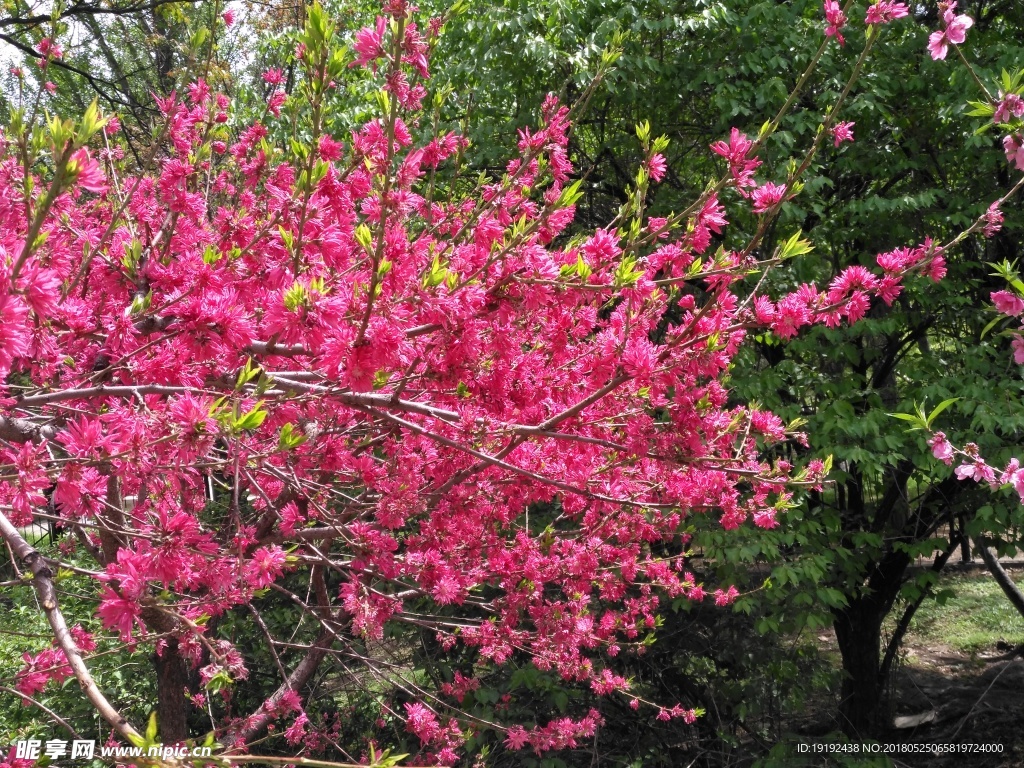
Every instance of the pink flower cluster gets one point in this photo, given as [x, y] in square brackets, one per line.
[50, 665]
[835, 19]
[885, 11]
[953, 32]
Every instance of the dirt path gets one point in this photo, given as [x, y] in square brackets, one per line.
[946, 698]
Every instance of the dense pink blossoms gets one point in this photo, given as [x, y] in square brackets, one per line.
[389, 379]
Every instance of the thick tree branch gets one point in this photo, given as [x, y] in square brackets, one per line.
[1010, 589]
[81, 9]
[43, 582]
[253, 726]
[15, 430]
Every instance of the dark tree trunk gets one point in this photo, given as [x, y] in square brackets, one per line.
[172, 673]
[171, 684]
[859, 632]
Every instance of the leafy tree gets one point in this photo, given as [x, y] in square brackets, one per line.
[914, 171]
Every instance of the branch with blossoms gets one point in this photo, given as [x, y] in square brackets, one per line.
[1006, 113]
[256, 367]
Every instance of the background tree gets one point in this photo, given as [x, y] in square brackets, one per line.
[914, 165]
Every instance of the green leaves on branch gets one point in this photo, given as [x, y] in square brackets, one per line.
[289, 438]
[919, 419]
[795, 247]
[628, 272]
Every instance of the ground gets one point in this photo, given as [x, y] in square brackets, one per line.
[960, 681]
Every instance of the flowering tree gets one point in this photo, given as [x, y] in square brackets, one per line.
[336, 372]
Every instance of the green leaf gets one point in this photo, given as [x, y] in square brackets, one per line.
[917, 421]
[939, 409]
[289, 438]
[252, 419]
[795, 247]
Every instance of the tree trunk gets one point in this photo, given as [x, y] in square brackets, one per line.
[171, 680]
[171, 684]
[859, 632]
[1010, 589]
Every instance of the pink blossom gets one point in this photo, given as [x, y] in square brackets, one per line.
[87, 172]
[767, 197]
[885, 11]
[1008, 303]
[954, 31]
[265, 567]
[330, 150]
[842, 132]
[1018, 349]
[277, 99]
[993, 218]
[1013, 146]
[942, 449]
[975, 470]
[726, 597]
[1014, 475]
[517, 737]
[741, 167]
[49, 49]
[295, 734]
[1010, 105]
[229, 17]
[369, 42]
[422, 722]
[119, 613]
[836, 20]
[656, 167]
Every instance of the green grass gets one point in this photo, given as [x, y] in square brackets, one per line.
[977, 618]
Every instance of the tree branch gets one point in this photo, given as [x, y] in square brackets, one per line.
[43, 583]
[252, 726]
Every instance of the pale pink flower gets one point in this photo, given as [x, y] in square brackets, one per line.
[942, 449]
[1010, 105]
[1013, 146]
[1008, 303]
[954, 31]
[1018, 350]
